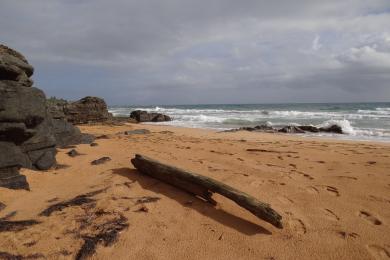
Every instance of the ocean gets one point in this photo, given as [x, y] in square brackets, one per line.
[359, 121]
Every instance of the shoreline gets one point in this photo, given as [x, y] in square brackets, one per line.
[304, 136]
[333, 196]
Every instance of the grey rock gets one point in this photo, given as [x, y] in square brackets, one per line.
[11, 178]
[87, 110]
[67, 134]
[309, 128]
[332, 129]
[144, 116]
[73, 153]
[291, 130]
[101, 160]
[47, 160]
[26, 136]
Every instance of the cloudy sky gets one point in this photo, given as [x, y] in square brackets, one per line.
[198, 52]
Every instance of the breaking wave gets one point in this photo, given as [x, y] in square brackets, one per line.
[358, 121]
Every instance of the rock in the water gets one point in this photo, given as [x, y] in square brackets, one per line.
[259, 128]
[291, 130]
[144, 116]
[87, 110]
[94, 144]
[332, 129]
[2, 206]
[26, 132]
[309, 128]
[101, 160]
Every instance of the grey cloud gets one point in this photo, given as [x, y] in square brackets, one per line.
[179, 51]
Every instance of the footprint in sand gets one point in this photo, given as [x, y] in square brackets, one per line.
[330, 189]
[298, 226]
[312, 190]
[370, 218]
[347, 235]
[285, 200]
[331, 215]
[378, 252]
[378, 199]
[346, 177]
[307, 176]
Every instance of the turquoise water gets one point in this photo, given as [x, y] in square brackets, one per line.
[361, 121]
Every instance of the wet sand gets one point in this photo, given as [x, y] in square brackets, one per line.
[334, 197]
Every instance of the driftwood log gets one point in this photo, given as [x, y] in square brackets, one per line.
[204, 187]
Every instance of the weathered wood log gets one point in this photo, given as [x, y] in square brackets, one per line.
[204, 187]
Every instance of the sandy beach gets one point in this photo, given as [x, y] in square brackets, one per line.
[334, 197]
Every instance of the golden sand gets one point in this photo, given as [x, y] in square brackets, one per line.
[334, 197]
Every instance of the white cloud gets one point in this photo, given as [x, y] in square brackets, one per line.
[316, 45]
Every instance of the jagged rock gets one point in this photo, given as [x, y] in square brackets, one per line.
[87, 110]
[67, 134]
[332, 129]
[258, 128]
[291, 130]
[11, 178]
[101, 160]
[144, 116]
[26, 136]
[309, 128]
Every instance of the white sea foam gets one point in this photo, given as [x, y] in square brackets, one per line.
[372, 123]
[344, 124]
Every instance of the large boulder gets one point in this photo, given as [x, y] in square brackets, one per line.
[64, 132]
[87, 110]
[26, 130]
[144, 116]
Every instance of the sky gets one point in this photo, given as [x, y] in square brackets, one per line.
[204, 52]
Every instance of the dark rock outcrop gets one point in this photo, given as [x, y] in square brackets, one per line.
[258, 128]
[309, 128]
[291, 130]
[26, 137]
[144, 116]
[65, 133]
[87, 110]
[336, 129]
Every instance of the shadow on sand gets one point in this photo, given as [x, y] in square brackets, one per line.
[204, 208]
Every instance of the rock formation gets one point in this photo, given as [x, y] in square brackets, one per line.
[87, 110]
[144, 116]
[335, 129]
[26, 137]
[290, 129]
[64, 132]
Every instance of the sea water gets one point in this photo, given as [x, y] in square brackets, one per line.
[359, 121]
